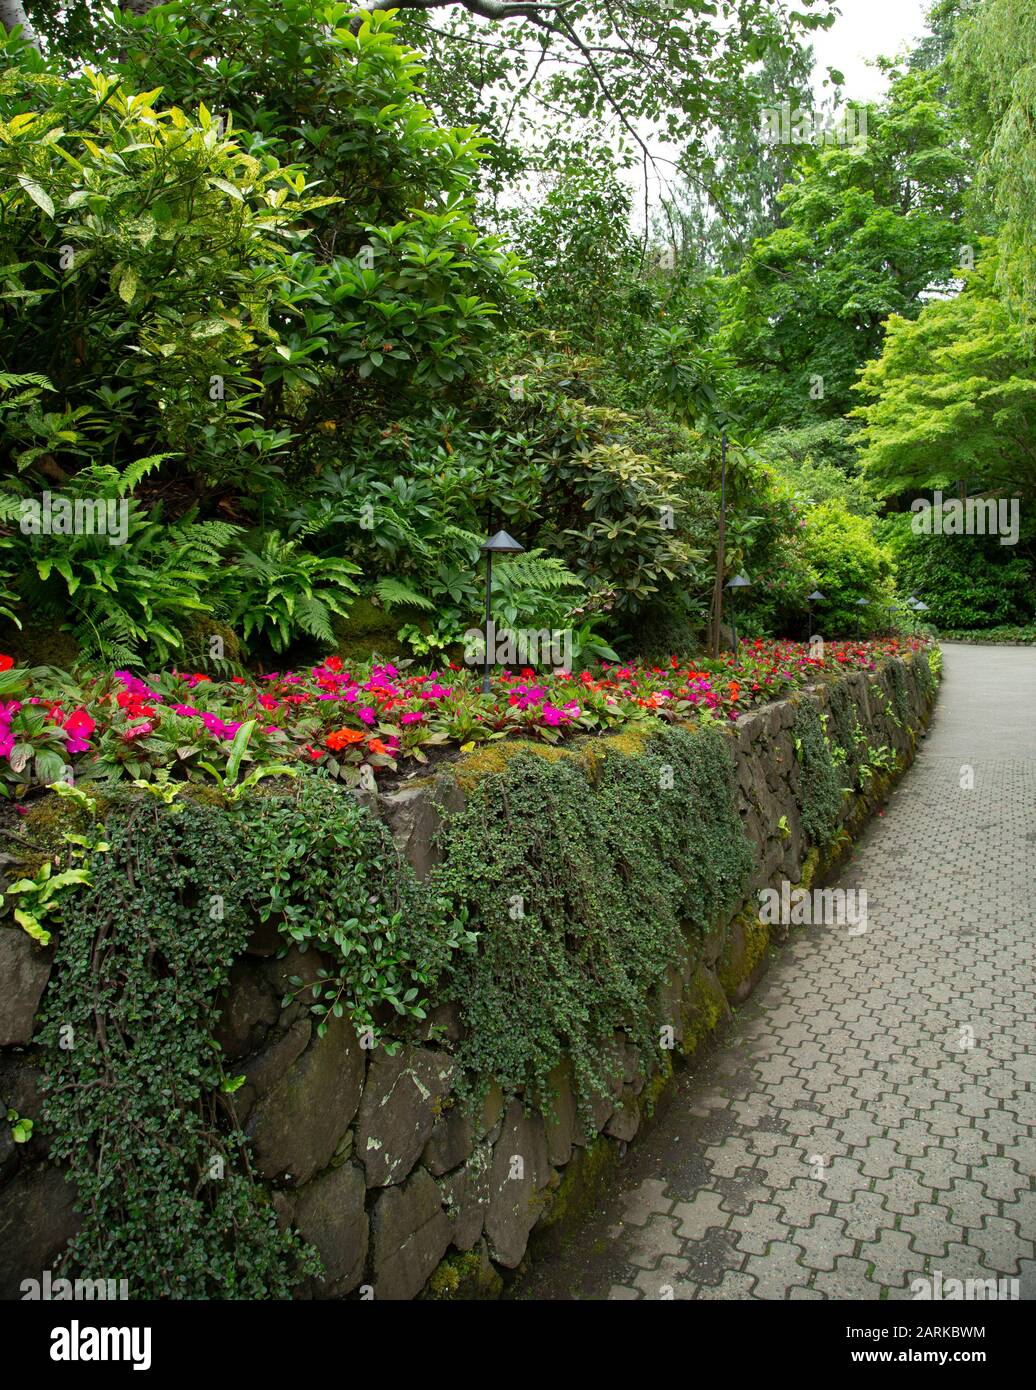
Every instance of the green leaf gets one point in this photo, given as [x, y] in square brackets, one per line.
[237, 749]
[128, 285]
[37, 194]
[33, 926]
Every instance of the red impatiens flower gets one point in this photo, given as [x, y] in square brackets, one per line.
[341, 738]
[376, 746]
[6, 662]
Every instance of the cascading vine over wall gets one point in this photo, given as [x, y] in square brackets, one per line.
[579, 920]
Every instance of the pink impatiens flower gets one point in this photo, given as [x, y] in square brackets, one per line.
[78, 728]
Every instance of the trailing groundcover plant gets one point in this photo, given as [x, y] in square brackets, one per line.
[584, 877]
[132, 1079]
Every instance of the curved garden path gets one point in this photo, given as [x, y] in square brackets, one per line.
[843, 1139]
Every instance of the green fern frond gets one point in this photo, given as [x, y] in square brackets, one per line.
[394, 591]
[135, 474]
[313, 618]
[532, 569]
[10, 381]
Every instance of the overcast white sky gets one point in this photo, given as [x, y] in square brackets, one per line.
[865, 29]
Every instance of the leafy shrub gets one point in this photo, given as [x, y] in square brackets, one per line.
[177, 241]
[277, 592]
[849, 564]
[966, 581]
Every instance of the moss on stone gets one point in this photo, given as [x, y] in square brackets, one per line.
[706, 1005]
[578, 1188]
[198, 632]
[368, 632]
[742, 951]
[809, 868]
[656, 1086]
[45, 824]
[464, 1275]
[39, 645]
[496, 757]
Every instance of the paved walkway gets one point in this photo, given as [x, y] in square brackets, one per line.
[870, 1118]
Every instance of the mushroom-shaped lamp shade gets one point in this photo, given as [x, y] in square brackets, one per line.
[740, 581]
[920, 607]
[502, 544]
[863, 603]
[816, 597]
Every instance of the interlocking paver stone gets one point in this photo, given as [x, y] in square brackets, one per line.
[903, 1058]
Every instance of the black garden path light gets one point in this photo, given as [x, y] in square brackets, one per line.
[861, 604]
[500, 544]
[740, 581]
[918, 607]
[812, 600]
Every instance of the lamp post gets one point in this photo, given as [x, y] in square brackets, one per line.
[740, 581]
[500, 544]
[861, 604]
[812, 599]
[721, 548]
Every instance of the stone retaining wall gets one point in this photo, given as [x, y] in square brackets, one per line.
[401, 1189]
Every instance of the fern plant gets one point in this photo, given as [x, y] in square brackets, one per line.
[533, 591]
[126, 596]
[278, 592]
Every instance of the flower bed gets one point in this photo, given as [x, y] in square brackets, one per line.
[189, 726]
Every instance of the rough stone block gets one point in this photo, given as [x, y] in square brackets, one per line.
[297, 1124]
[625, 1122]
[402, 1099]
[521, 1170]
[410, 1233]
[330, 1214]
[465, 1197]
[24, 972]
[560, 1116]
[37, 1221]
[250, 1010]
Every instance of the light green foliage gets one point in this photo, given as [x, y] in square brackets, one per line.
[993, 69]
[819, 464]
[865, 230]
[849, 564]
[952, 397]
[177, 240]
